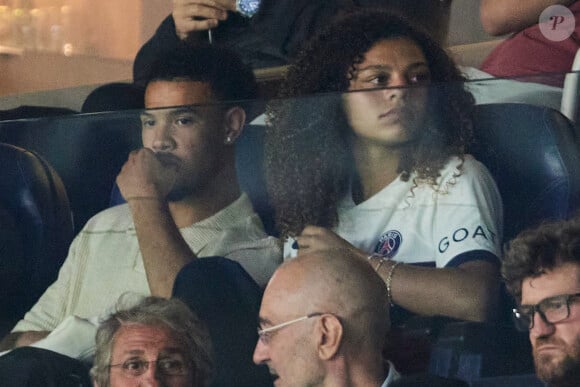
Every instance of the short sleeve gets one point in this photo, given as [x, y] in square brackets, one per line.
[469, 215]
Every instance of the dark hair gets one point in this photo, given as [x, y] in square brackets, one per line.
[114, 97]
[230, 79]
[536, 250]
[308, 158]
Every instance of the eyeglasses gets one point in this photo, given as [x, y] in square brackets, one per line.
[551, 310]
[265, 334]
[165, 366]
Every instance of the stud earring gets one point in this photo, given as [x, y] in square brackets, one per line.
[229, 140]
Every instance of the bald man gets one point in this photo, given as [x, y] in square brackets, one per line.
[323, 322]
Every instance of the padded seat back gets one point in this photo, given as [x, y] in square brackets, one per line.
[86, 150]
[534, 156]
[249, 168]
[36, 230]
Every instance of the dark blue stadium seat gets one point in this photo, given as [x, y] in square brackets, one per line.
[533, 153]
[249, 166]
[35, 227]
[87, 151]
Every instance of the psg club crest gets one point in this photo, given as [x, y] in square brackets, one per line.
[389, 244]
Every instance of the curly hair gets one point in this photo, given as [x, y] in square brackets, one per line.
[308, 157]
[534, 251]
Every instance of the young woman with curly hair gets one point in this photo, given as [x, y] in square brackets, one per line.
[374, 165]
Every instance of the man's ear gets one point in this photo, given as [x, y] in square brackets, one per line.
[330, 339]
[234, 121]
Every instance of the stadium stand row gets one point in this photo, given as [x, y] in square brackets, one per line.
[532, 152]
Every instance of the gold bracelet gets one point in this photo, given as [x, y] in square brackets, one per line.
[389, 281]
[382, 259]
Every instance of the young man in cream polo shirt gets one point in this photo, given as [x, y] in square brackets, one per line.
[183, 198]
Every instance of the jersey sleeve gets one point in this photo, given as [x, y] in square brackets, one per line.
[469, 221]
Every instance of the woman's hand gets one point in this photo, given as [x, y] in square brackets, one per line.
[322, 240]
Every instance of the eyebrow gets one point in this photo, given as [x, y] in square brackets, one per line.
[164, 351]
[134, 352]
[548, 299]
[264, 321]
[386, 67]
[172, 351]
[173, 112]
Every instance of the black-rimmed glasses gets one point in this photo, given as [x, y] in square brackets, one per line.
[551, 310]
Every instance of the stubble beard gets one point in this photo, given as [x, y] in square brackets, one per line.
[562, 371]
[181, 191]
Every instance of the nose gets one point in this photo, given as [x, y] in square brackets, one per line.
[397, 87]
[398, 80]
[150, 383]
[162, 140]
[541, 328]
[260, 353]
[151, 378]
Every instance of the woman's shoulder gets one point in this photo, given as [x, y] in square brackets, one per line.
[464, 169]
[463, 165]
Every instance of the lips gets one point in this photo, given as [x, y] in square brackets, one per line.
[548, 347]
[168, 160]
[273, 375]
[392, 111]
[394, 114]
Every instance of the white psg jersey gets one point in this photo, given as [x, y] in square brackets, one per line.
[424, 224]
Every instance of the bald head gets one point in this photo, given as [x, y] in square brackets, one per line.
[343, 285]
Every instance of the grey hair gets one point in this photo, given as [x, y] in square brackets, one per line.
[173, 314]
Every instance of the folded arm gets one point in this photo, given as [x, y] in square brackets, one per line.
[162, 246]
[469, 291]
[145, 184]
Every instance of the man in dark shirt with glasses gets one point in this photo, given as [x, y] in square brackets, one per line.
[542, 271]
